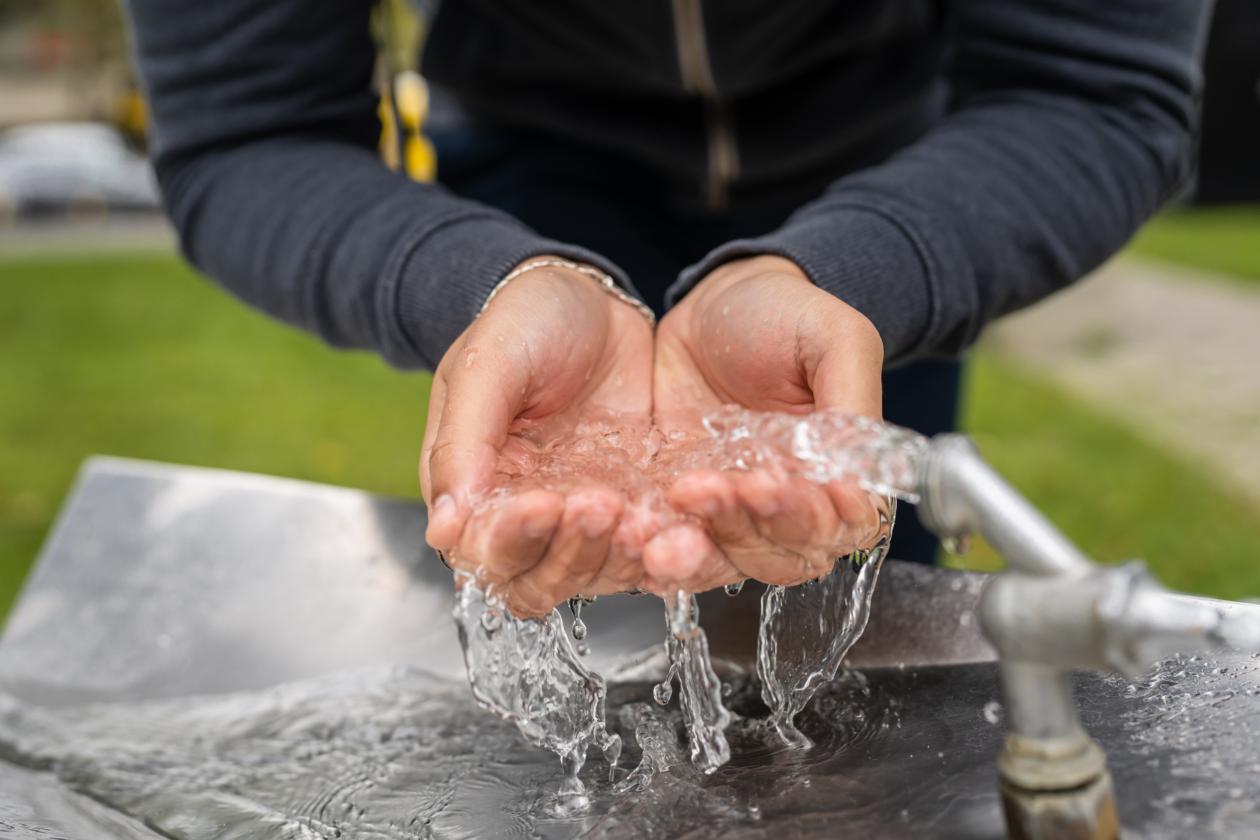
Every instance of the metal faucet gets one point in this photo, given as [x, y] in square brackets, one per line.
[1051, 611]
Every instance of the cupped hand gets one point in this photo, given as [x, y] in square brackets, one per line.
[757, 333]
[551, 346]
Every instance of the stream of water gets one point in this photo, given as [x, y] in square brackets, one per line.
[805, 632]
[527, 671]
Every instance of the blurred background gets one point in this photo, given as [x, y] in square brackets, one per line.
[1127, 408]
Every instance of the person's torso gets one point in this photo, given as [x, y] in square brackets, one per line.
[732, 101]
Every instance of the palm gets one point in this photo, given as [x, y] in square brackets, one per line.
[706, 362]
[766, 340]
[551, 351]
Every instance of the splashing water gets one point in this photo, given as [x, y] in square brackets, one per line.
[805, 632]
[643, 461]
[699, 689]
[822, 447]
[527, 671]
[654, 733]
[395, 753]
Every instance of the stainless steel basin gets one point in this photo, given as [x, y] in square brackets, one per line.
[164, 581]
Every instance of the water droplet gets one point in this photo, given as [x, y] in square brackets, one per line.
[579, 626]
[993, 712]
[491, 620]
[663, 692]
[733, 589]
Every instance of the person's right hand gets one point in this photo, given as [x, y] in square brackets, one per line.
[552, 344]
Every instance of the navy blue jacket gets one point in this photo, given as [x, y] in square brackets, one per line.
[952, 161]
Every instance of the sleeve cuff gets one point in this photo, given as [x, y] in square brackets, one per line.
[860, 255]
[439, 282]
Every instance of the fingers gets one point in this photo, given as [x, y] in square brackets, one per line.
[843, 358]
[478, 397]
[623, 570]
[774, 528]
[710, 496]
[575, 555]
[433, 416]
[541, 549]
[684, 557]
[862, 516]
[509, 538]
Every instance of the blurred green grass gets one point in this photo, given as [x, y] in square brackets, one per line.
[134, 355]
[1117, 495]
[137, 356]
[1224, 239]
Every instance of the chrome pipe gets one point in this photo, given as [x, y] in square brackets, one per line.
[960, 494]
[1051, 611]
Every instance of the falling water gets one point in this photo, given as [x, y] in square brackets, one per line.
[699, 689]
[528, 672]
[805, 631]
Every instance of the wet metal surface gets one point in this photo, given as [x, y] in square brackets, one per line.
[162, 582]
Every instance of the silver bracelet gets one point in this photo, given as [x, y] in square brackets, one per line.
[605, 281]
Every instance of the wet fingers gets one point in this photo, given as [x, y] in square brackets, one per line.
[510, 538]
[575, 555]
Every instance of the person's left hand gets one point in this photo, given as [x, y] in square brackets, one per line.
[757, 333]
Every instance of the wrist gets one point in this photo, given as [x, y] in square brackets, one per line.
[761, 266]
[764, 264]
[582, 279]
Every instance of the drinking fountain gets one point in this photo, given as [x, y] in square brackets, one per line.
[166, 584]
[1051, 611]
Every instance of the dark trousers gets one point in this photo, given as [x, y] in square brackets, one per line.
[615, 207]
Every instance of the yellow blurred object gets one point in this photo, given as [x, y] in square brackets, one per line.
[411, 98]
[404, 103]
[133, 114]
[389, 130]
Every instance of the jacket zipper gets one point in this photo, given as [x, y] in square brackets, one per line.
[722, 154]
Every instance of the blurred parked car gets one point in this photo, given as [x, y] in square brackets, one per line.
[72, 168]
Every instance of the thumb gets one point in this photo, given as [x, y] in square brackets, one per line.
[478, 395]
[843, 361]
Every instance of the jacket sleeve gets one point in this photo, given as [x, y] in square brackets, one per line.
[1071, 122]
[264, 144]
